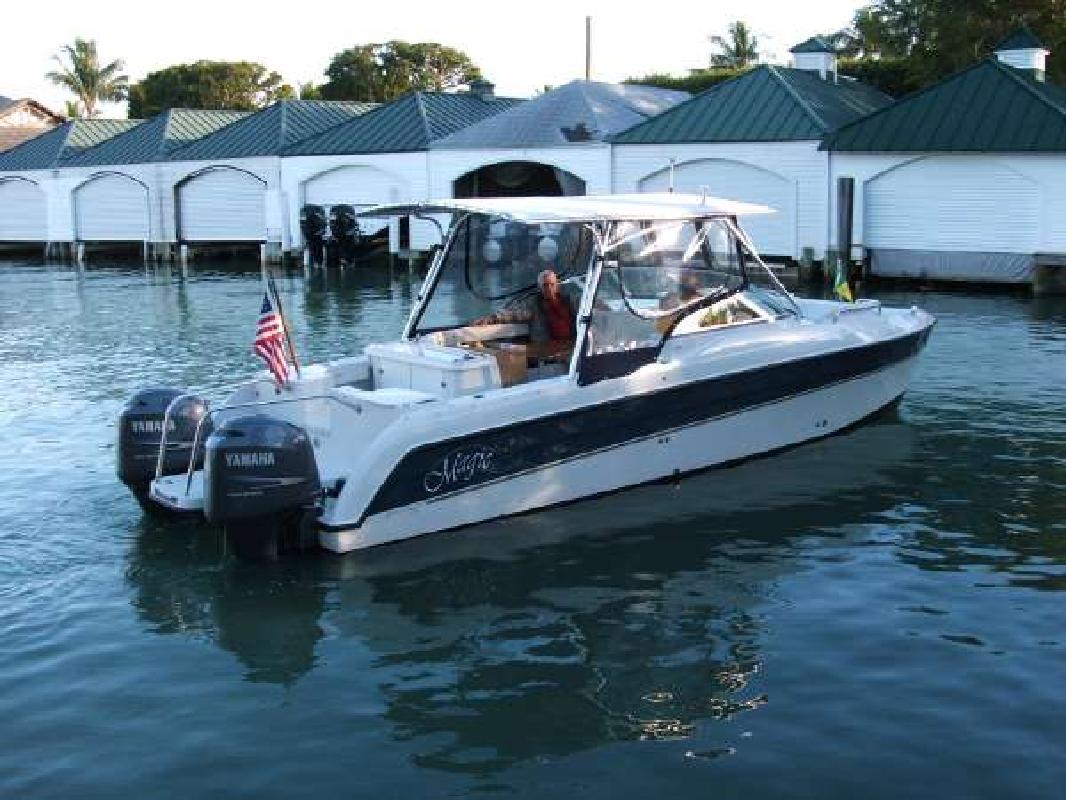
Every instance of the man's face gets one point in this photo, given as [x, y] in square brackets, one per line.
[551, 286]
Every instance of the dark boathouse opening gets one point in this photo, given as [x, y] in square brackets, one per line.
[518, 179]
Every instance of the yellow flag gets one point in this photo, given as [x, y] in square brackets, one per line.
[841, 287]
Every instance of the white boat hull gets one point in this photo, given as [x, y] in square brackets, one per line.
[719, 441]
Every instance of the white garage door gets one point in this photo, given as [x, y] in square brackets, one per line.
[111, 208]
[773, 234]
[222, 205]
[969, 204]
[356, 185]
[23, 217]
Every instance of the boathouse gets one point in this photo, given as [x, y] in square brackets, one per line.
[965, 179]
[117, 192]
[30, 212]
[754, 138]
[554, 144]
[226, 187]
[381, 157]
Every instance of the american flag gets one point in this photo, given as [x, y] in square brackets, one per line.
[270, 342]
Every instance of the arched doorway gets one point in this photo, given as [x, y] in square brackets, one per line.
[23, 217]
[111, 207]
[518, 179]
[221, 204]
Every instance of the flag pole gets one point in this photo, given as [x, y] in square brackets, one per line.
[272, 287]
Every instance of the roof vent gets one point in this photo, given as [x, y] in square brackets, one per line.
[816, 55]
[484, 89]
[1022, 50]
[579, 133]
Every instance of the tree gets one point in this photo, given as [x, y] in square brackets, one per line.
[698, 80]
[82, 75]
[71, 109]
[740, 50]
[233, 85]
[309, 91]
[381, 72]
[937, 38]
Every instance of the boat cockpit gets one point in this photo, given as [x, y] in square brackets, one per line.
[626, 287]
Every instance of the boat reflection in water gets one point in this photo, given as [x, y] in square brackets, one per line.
[632, 616]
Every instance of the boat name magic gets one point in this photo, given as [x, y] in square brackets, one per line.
[685, 353]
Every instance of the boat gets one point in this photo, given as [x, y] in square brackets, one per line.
[685, 353]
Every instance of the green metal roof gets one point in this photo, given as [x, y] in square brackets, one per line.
[56, 147]
[156, 138]
[1021, 39]
[406, 124]
[268, 132]
[988, 107]
[816, 44]
[766, 104]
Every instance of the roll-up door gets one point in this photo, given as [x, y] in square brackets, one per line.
[947, 217]
[773, 234]
[23, 214]
[111, 208]
[222, 205]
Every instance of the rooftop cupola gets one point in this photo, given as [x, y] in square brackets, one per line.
[1022, 50]
[484, 89]
[816, 55]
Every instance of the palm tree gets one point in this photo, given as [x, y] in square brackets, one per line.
[740, 50]
[86, 79]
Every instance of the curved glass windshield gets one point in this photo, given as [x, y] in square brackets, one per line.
[654, 274]
[492, 264]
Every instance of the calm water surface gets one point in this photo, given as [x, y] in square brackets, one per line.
[882, 614]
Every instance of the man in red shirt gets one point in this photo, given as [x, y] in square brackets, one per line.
[550, 314]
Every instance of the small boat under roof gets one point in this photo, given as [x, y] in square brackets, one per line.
[679, 351]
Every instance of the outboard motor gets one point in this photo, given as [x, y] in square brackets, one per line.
[345, 232]
[140, 432]
[313, 227]
[261, 483]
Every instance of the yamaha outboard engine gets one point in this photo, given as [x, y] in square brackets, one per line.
[313, 227]
[140, 432]
[345, 232]
[261, 483]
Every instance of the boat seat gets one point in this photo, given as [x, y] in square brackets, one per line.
[390, 398]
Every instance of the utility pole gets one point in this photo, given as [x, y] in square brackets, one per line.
[588, 48]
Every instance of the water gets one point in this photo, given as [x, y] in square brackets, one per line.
[880, 614]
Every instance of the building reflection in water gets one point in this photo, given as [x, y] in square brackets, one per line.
[635, 616]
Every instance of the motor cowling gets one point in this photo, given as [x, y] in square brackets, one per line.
[313, 222]
[140, 433]
[343, 225]
[261, 483]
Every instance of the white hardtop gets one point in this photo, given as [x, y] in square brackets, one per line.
[587, 208]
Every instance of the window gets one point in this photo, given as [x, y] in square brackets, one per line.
[653, 272]
[493, 263]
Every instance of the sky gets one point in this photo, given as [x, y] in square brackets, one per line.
[521, 47]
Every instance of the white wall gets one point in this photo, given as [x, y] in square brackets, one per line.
[1046, 172]
[800, 163]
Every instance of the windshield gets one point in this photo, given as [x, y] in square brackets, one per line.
[492, 263]
[654, 273]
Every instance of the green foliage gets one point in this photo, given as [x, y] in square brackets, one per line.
[80, 73]
[380, 72]
[72, 109]
[698, 80]
[937, 39]
[309, 91]
[232, 85]
[740, 49]
[893, 76]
